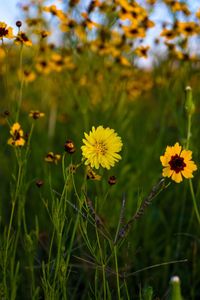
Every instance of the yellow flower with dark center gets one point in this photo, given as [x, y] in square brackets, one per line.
[52, 158]
[16, 136]
[26, 75]
[142, 51]
[101, 147]
[22, 39]
[36, 114]
[188, 28]
[177, 163]
[5, 32]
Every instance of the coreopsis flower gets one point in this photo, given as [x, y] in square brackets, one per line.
[36, 114]
[52, 158]
[5, 31]
[22, 39]
[188, 28]
[27, 75]
[177, 163]
[142, 51]
[101, 147]
[91, 174]
[17, 136]
[52, 9]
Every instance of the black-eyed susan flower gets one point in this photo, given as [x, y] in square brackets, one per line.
[177, 163]
[101, 147]
[17, 136]
[5, 31]
[52, 158]
[36, 114]
[22, 39]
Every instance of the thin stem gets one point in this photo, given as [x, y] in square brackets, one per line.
[21, 83]
[194, 200]
[189, 131]
[117, 272]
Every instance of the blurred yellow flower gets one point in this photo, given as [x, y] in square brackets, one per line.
[101, 147]
[16, 136]
[177, 163]
[5, 32]
[52, 158]
[36, 114]
[22, 39]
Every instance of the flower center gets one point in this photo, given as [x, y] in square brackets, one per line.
[177, 163]
[100, 148]
[3, 31]
[16, 135]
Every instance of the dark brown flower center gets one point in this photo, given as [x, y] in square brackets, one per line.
[3, 32]
[177, 163]
[16, 135]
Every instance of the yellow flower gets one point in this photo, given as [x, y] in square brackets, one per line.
[177, 163]
[36, 114]
[52, 158]
[16, 136]
[22, 39]
[101, 147]
[5, 32]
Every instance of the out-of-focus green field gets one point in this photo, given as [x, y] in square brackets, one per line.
[59, 227]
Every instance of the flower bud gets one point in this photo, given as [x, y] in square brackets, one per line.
[189, 103]
[18, 24]
[70, 147]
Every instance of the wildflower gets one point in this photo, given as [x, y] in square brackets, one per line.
[54, 11]
[36, 114]
[27, 75]
[69, 146]
[177, 163]
[52, 158]
[5, 32]
[188, 28]
[142, 51]
[17, 136]
[91, 174]
[43, 66]
[22, 39]
[101, 147]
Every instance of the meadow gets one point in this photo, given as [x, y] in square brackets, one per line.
[99, 158]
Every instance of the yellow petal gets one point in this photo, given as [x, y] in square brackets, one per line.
[177, 177]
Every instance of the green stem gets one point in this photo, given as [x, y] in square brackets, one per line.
[189, 131]
[117, 272]
[21, 83]
[194, 200]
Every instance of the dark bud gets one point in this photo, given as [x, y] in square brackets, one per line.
[39, 183]
[112, 180]
[18, 24]
[69, 146]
